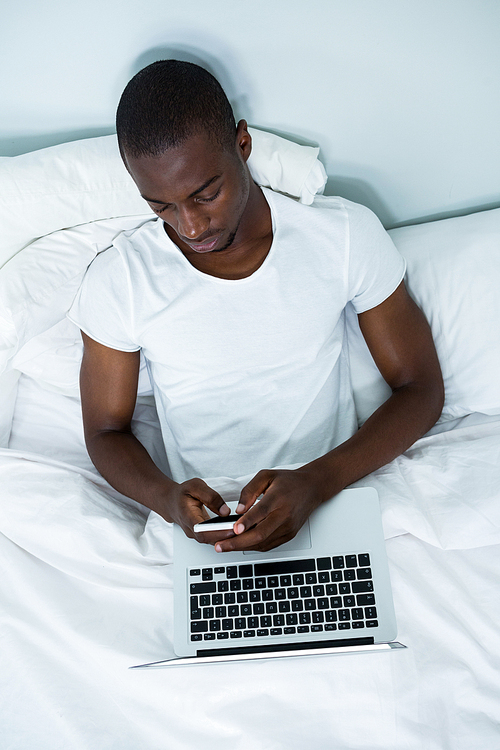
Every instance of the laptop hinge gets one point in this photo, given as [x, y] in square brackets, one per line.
[266, 648]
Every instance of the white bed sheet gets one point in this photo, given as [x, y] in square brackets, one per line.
[87, 592]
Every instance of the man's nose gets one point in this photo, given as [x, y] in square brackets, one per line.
[192, 223]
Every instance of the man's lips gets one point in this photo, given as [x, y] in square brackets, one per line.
[205, 246]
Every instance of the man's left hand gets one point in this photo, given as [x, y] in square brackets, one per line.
[288, 499]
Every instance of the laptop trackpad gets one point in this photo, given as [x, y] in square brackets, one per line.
[302, 540]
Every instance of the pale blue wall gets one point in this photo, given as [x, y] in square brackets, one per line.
[402, 95]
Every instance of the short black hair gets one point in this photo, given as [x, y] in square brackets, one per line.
[169, 101]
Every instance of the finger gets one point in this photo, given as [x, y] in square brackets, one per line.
[255, 487]
[263, 537]
[212, 537]
[199, 490]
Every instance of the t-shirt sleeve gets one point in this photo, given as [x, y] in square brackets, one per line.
[103, 304]
[376, 268]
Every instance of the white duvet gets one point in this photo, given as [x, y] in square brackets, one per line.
[88, 587]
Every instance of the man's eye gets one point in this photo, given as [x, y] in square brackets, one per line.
[212, 198]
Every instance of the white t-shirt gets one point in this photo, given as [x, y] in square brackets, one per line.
[251, 373]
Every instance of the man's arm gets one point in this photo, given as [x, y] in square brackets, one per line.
[108, 385]
[400, 341]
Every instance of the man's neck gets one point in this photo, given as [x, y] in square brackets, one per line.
[249, 249]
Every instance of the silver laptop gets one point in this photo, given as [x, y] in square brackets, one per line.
[327, 591]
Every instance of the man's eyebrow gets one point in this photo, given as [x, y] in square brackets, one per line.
[191, 195]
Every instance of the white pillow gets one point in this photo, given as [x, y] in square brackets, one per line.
[453, 273]
[84, 181]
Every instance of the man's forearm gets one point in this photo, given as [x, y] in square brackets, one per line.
[127, 466]
[407, 415]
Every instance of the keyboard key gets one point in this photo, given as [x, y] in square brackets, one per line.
[262, 632]
[335, 602]
[272, 582]
[214, 625]
[310, 604]
[311, 578]
[267, 595]
[331, 615]
[344, 625]
[265, 621]
[258, 609]
[358, 624]
[372, 623]
[236, 634]
[287, 566]
[351, 561]
[207, 574]
[359, 586]
[303, 629]
[349, 601]
[221, 612]
[323, 603]
[363, 573]
[246, 609]
[247, 584]
[284, 606]
[209, 636]
[242, 597]
[338, 562]
[240, 623]
[357, 613]
[249, 634]
[196, 614]
[222, 635]
[316, 628]
[195, 572]
[196, 637]
[324, 577]
[363, 561]
[203, 588]
[235, 584]
[289, 631]
[318, 590]
[330, 626]
[271, 607]
[297, 605]
[231, 571]
[276, 631]
[371, 613]
[199, 627]
[255, 596]
[298, 579]
[253, 622]
[219, 571]
[344, 614]
[208, 613]
[223, 586]
[278, 621]
[280, 593]
[285, 581]
[227, 624]
[368, 599]
[305, 592]
[349, 575]
[332, 589]
[324, 563]
[344, 588]
[260, 583]
[304, 618]
[336, 576]
[292, 619]
[318, 617]
[233, 611]
[245, 571]
[230, 597]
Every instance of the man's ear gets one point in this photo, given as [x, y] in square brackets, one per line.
[243, 140]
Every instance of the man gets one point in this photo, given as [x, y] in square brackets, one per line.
[236, 297]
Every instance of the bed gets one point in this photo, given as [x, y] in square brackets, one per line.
[86, 588]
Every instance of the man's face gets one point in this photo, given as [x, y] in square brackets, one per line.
[199, 190]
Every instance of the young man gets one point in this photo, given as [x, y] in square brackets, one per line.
[236, 297]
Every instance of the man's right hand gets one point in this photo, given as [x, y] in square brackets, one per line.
[185, 505]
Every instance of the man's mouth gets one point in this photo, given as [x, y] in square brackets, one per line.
[204, 247]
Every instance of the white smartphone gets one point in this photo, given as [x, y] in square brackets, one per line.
[217, 523]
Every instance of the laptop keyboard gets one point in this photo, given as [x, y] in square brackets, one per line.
[230, 602]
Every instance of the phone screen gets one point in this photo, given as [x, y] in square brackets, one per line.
[217, 523]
